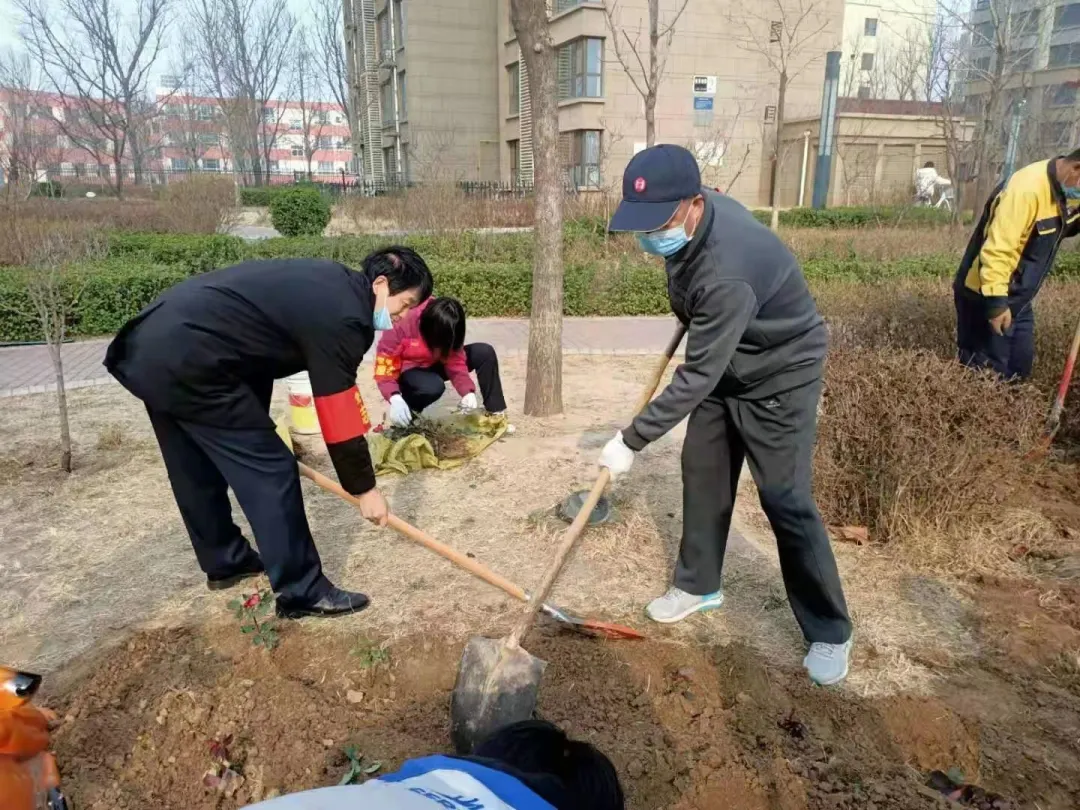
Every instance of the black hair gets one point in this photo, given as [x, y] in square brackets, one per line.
[568, 774]
[928, 165]
[1074, 155]
[404, 270]
[442, 326]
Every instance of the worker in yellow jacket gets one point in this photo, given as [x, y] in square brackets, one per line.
[1008, 258]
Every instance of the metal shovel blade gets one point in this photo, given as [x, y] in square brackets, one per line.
[496, 685]
[601, 513]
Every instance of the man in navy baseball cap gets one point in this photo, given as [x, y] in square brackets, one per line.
[750, 386]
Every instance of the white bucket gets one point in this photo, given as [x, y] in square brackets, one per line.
[305, 420]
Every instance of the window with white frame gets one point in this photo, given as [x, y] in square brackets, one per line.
[180, 164]
[325, 166]
[386, 92]
[325, 142]
[399, 23]
[870, 27]
[297, 150]
[211, 165]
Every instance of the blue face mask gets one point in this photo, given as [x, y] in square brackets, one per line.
[1071, 192]
[665, 243]
[383, 321]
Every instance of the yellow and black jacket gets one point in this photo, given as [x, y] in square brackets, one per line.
[1016, 239]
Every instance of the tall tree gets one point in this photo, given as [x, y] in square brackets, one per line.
[331, 65]
[312, 112]
[99, 58]
[543, 378]
[646, 77]
[787, 34]
[242, 53]
[28, 131]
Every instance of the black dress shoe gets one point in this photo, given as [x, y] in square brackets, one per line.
[336, 602]
[253, 568]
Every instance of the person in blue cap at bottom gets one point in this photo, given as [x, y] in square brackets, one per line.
[530, 765]
[750, 384]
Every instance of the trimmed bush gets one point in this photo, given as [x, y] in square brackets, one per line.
[299, 211]
[49, 188]
[194, 253]
[860, 217]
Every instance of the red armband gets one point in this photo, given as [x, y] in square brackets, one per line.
[342, 416]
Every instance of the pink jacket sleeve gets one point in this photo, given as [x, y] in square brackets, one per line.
[388, 362]
[458, 372]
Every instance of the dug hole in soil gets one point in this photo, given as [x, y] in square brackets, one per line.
[686, 727]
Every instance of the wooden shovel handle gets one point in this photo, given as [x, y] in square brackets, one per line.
[572, 533]
[417, 536]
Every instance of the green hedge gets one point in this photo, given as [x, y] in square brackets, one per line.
[860, 217]
[101, 297]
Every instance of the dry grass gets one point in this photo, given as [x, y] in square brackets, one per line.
[875, 244]
[925, 453]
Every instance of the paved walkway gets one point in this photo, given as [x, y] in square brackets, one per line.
[28, 370]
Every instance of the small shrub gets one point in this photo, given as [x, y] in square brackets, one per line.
[299, 211]
[49, 188]
[199, 204]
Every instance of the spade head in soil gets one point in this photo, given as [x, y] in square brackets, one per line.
[497, 684]
[569, 509]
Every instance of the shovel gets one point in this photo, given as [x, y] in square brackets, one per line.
[498, 681]
[1053, 420]
[585, 626]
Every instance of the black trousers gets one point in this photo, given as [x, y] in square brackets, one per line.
[203, 462]
[776, 436]
[1010, 355]
[421, 387]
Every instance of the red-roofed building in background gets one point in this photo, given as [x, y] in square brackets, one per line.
[42, 138]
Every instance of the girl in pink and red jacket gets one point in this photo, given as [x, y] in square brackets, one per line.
[426, 348]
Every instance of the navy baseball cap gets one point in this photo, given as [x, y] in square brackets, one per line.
[656, 180]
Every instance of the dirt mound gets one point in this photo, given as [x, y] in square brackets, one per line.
[686, 728]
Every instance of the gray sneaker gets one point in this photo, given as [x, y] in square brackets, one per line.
[827, 663]
[676, 605]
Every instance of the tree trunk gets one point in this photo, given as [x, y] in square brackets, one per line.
[61, 403]
[118, 167]
[654, 72]
[774, 219]
[543, 378]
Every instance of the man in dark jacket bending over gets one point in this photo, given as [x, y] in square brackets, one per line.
[750, 385]
[203, 358]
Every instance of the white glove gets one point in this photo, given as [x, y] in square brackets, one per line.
[400, 412]
[616, 456]
[469, 403]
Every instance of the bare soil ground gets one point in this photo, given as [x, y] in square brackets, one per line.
[99, 588]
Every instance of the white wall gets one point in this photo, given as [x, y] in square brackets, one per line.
[901, 46]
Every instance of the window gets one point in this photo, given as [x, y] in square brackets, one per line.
[870, 27]
[387, 94]
[566, 5]
[585, 158]
[269, 115]
[515, 161]
[1023, 59]
[205, 112]
[1061, 95]
[984, 34]
[297, 150]
[1064, 55]
[179, 164]
[325, 167]
[325, 142]
[273, 167]
[338, 118]
[1023, 23]
[867, 61]
[981, 4]
[581, 65]
[514, 78]
[982, 64]
[864, 91]
[385, 49]
[403, 109]
[211, 165]
[296, 125]
[207, 139]
[399, 23]
[1067, 16]
[389, 163]
[776, 28]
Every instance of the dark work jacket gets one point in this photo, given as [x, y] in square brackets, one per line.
[209, 349]
[754, 330]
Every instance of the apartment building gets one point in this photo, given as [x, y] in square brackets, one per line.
[452, 98]
[887, 49]
[1039, 75]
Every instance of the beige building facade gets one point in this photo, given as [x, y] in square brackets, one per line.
[452, 98]
[880, 144]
